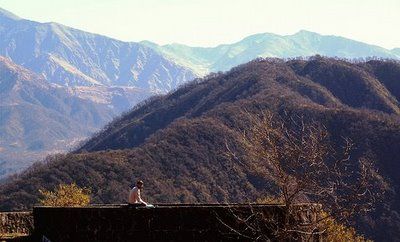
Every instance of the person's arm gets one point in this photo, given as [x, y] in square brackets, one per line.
[140, 198]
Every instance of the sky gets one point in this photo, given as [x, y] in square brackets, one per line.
[213, 22]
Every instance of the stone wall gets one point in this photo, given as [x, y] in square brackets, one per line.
[165, 222]
[162, 223]
[15, 225]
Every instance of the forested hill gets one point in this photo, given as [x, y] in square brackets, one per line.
[177, 143]
[320, 82]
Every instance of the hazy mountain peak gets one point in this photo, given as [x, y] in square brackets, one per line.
[257, 37]
[305, 33]
[4, 14]
[303, 43]
[71, 57]
[148, 43]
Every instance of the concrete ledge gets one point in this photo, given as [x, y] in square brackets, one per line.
[165, 222]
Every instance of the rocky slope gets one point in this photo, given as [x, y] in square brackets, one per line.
[71, 57]
[37, 118]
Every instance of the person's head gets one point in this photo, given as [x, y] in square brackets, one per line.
[139, 183]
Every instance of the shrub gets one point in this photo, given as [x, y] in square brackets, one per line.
[338, 232]
[65, 195]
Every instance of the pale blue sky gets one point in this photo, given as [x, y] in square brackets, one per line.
[211, 22]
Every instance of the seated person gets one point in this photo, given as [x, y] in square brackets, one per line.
[134, 195]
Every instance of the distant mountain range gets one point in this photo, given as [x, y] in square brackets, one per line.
[101, 77]
[304, 43]
[39, 118]
[66, 84]
[71, 57]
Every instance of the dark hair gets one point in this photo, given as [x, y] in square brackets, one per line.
[139, 182]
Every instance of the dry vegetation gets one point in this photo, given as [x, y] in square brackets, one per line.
[65, 195]
[306, 169]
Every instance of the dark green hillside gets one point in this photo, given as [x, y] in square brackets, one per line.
[302, 82]
[387, 72]
[177, 143]
[354, 86]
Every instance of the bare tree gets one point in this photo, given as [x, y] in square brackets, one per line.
[299, 158]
